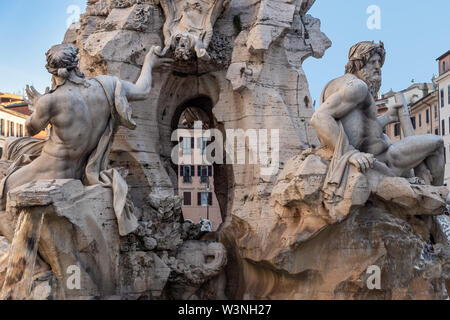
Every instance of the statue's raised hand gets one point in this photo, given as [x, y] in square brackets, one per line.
[157, 60]
[32, 97]
[393, 112]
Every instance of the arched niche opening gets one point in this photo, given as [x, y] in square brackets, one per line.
[185, 100]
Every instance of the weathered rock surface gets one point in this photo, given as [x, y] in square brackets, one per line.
[254, 80]
[299, 193]
[80, 229]
[308, 253]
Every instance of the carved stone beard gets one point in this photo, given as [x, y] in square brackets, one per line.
[373, 82]
[374, 86]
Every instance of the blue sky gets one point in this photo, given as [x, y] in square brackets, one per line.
[28, 28]
[415, 33]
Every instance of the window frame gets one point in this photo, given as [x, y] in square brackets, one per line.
[187, 145]
[397, 129]
[187, 195]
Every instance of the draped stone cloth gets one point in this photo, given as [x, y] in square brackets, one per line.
[24, 150]
[337, 176]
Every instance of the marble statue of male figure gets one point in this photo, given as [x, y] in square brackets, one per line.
[83, 115]
[347, 119]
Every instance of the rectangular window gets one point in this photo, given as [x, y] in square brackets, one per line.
[204, 199]
[11, 129]
[187, 172]
[413, 121]
[7, 128]
[448, 94]
[442, 98]
[187, 144]
[436, 132]
[21, 130]
[443, 128]
[445, 155]
[397, 129]
[187, 199]
[2, 127]
[420, 120]
[204, 172]
[202, 144]
[435, 111]
[428, 116]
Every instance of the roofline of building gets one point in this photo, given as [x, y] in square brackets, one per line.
[14, 113]
[423, 98]
[11, 95]
[448, 52]
[442, 76]
[412, 86]
[18, 104]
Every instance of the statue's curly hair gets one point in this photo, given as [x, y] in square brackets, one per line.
[361, 52]
[61, 59]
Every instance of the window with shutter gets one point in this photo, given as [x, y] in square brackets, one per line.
[413, 121]
[185, 172]
[204, 199]
[205, 172]
[187, 199]
[448, 94]
[397, 129]
[187, 145]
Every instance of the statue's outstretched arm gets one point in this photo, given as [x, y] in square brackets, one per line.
[391, 116]
[141, 89]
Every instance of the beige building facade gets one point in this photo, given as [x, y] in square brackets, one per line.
[443, 88]
[423, 107]
[196, 182]
[14, 112]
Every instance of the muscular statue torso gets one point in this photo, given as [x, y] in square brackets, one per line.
[360, 123]
[78, 125]
[78, 116]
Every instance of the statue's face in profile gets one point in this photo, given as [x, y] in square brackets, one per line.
[371, 73]
[372, 70]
